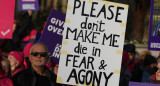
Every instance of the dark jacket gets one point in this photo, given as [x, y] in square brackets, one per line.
[125, 77]
[28, 77]
[137, 72]
[20, 32]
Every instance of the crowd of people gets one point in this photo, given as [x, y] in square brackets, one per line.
[19, 72]
[139, 67]
[30, 67]
[24, 61]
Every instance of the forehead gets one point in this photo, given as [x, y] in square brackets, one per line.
[3, 62]
[131, 53]
[11, 56]
[38, 48]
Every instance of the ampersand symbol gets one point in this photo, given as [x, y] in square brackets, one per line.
[102, 66]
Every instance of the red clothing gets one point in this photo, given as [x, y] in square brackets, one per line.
[20, 69]
[25, 64]
[154, 76]
[26, 38]
[5, 81]
[33, 32]
[131, 66]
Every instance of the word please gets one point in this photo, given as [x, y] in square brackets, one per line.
[105, 12]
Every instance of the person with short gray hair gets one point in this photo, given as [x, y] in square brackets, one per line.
[36, 74]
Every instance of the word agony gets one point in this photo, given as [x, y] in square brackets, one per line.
[88, 77]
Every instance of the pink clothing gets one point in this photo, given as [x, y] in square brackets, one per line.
[48, 65]
[130, 67]
[5, 81]
[44, 26]
[26, 49]
[26, 38]
[25, 64]
[1, 53]
[18, 70]
[19, 56]
[33, 32]
[125, 57]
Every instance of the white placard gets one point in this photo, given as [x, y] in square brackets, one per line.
[92, 44]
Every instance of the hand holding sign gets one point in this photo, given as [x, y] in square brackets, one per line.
[29, 12]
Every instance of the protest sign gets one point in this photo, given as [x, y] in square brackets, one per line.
[52, 33]
[25, 5]
[154, 28]
[92, 44]
[6, 18]
[141, 84]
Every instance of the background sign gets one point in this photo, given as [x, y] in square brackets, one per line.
[141, 84]
[6, 18]
[154, 28]
[25, 5]
[93, 41]
[52, 33]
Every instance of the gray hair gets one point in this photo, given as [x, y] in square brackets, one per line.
[41, 44]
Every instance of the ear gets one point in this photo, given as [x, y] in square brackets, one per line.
[17, 64]
[30, 58]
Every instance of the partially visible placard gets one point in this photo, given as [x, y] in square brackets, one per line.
[154, 28]
[7, 8]
[52, 34]
[25, 5]
[141, 84]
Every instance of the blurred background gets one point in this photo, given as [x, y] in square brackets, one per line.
[137, 25]
[137, 29]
